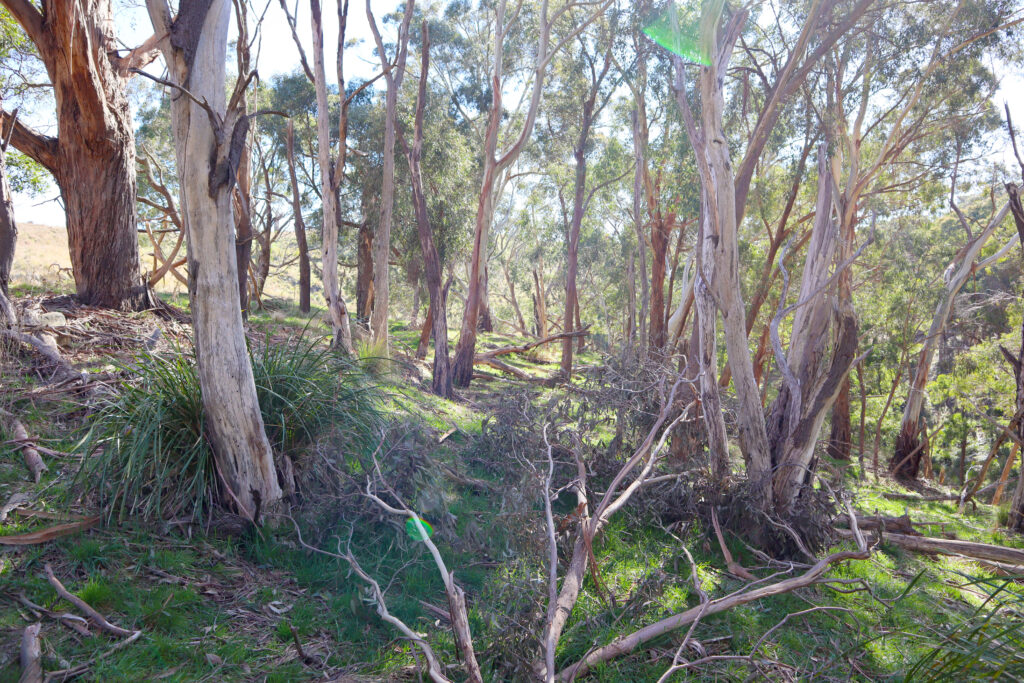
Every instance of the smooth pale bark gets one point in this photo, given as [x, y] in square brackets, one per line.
[719, 285]
[8, 243]
[540, 306]
[573, 246]
[299, 222]
[513, 299]
[331, 172]
[811, 384]
[92, 159]
[958, 272]
[195, 55]
[494, 165]
[393, 77]
[639, 179]
[441, 383]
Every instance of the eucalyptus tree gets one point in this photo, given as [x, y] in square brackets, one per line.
[207, 134]
[92, 157]
[394, 73]
[332, 166]
[495, 164]
[724, 195]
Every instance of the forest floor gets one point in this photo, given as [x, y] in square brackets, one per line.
[259, 607]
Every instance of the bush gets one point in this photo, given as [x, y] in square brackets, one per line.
[151, 457]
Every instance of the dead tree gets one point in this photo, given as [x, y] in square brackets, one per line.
[208, 133]
[92, 158]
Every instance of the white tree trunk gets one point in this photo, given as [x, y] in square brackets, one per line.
[234, 425]
[382, 241]
[340, 327]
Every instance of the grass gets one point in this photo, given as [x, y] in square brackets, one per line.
[155, 461]
[224, 609]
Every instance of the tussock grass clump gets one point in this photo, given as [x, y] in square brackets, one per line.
[151, 458]
[373, 357]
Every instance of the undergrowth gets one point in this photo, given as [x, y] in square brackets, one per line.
[150, 457]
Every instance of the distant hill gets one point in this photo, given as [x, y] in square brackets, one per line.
[41, 256]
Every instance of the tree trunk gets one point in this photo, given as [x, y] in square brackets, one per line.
[441, 383]
[8, 243]
[242, 204]
[195, 55]
[808, 392]
[92, 158]
[540, 307]
[573, 246]
[639, 179]
[394, 74]
[630, 332]
[661, 230]
[1015, 520]
[513, 298]
[961, 268]
[997, 497]
[331, 172]
[299, 222]
[364, 274]
[840, 439]
[720, 250]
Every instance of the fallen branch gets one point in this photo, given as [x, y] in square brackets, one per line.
[96, 618]
[903, 524]
[33, 460]
[49, 533]
[523, 348]
[31, 655]
[62, 369]
[945, 546]
[734, 567]
[504, 367]
[628, 643]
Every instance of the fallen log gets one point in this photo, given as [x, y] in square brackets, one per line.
[504, 367]
[523, 348]
[33, 460]
[902, 524]
[945, 546]
[62, 370]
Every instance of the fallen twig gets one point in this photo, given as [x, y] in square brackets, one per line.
[628, 643]
[33, 460]
[96, 618]
[735, 568]
[49, 533]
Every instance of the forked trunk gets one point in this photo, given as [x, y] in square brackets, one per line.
[233, 422]
[364, 274]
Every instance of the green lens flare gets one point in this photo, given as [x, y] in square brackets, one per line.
[677, 36]
[418, 529]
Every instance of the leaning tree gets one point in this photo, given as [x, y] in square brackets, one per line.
[92, 157]
[208, 136]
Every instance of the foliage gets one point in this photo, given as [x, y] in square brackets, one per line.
[153, 459]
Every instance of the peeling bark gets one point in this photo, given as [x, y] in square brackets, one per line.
[203, 133]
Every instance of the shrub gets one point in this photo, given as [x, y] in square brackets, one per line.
[151, 457]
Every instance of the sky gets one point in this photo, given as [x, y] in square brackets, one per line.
[277, 54]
